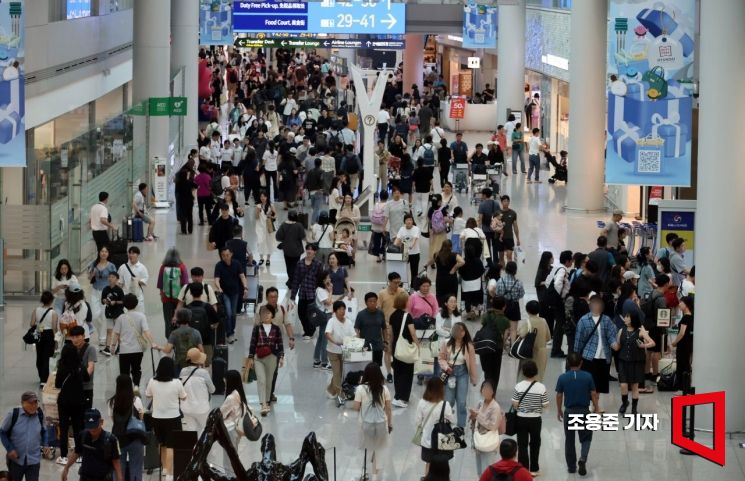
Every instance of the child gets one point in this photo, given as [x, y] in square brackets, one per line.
[112, 297]
[459, 224]
[346, 242]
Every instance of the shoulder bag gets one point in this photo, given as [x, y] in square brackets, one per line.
[417, 439]
[33, 335]
[136, 428]
[523, 347]
[251, 425]
[511, 416]
[406, 351]
[445, 436]
[139, 335]
[487, 442]
[592, 333]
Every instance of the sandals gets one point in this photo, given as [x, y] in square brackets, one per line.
[265, 409]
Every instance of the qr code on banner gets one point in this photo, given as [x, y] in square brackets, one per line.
[649, 161]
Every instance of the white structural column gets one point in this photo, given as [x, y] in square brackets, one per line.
[151, 65]
[369, 104]
[413, 61]
[185, 45]
[721, 197]
[587, 65]
[510, 59]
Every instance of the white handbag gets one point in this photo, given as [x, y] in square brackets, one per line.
[406, 351]
[487, 442]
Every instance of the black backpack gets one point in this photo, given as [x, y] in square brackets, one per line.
[495, 476]
[216, 185]
[14, 420]
[199, 320]
[487, 340]
[352, 164]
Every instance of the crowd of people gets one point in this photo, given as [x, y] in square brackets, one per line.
[290, 135]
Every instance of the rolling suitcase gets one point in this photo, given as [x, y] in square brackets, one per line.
[152, 452]
[219, 368]
[137, 230]
[126, 232]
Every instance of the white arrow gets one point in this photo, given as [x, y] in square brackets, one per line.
[326, 43]
[391, 21]
[284, 44]
[368, 43]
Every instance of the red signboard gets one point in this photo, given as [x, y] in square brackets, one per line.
[457, 107]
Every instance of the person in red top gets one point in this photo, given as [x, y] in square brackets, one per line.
[508, 464]
[172, 276]
[204, 192]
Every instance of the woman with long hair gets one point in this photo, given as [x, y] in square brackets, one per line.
[266, 217]
[44, 318]
[122, 406]
[324, 301]
[98, 276]
[447, 264]
[172, 276]
[631, 343]
[165, 392]
[70, 401]
[373, 400]
[437, 228]
[62, 278]
[512, 289]
[458, 361]
[288, 175]
[446, 318]
[683, 343]
[184, 188]
[348, 209]
[233, 408]
[545, 266]
[402, 326]
[645, 261]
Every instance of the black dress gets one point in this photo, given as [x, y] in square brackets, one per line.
[683, 353]
[403, 373]
[445, 282]
[632, 358]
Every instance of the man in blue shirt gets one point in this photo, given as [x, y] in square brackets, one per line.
[23, 435]
[230, 279]
[575, 390]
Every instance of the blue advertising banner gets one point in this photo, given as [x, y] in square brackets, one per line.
[326, 16]
[479, 26]
[650, 104]
[215, 22]
[78, 9]
[12, 103]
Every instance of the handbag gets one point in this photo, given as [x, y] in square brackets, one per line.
[523, 347]
[136, 428]
[33, 335]
[487, 442]
[406, 351]
[445, 436]
[248, 375]
[657, 83]
[316, 316]
[251, 425]
[417, 439]
[511, 416]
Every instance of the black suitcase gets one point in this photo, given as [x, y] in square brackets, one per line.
[152, 452]
[302, 217]
[219, 368]
[126, 232]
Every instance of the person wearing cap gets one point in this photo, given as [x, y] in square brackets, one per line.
[24, 437]
[198, 385]
[222, 228]
[99, 450]
[631, 277]
[304, 283]
[74, 312]
[611, 229]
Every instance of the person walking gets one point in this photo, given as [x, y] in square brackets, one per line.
[494, 325]
[265, 353]
[63, 278]
[265, 226]
[100, 222]
[458, 362]
[304, 283]
[24, 438]
[447, 317]
[132, 336]
[230, 279]
[529, 399]
[172, 276]
[98, 276]
[45, 320]
[575, 389]
[512, 289]
[199, 387]
[337, 330]
[557, 289]
[631, 344]
[122, 406]
[98, 450]
[205, 319]
[507, 467]
[447, 264]
[542, 335]
[183, 338]
[683, 344]
[402, 329]
[133, 277]
[70, 404]
[291, 235]
[487, 423]
[370, 325]
[373, 400]
[165, 392]
[408, 237]
[386, 298]
[427, 415]
[184, 193]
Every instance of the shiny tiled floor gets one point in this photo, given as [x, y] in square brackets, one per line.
[303, 406]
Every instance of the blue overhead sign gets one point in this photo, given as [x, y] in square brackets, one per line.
[326, 16]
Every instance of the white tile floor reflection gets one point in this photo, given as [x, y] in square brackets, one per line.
[303, 406]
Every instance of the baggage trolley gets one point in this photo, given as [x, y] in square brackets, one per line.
[397, 262]
[494, 174]
[478, 182]
[255, 291]
[460, 177]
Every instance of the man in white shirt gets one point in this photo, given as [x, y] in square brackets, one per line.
[133, 277]
[139, 209]
[557, 284]
[208, 293]
[509, 127]
[383, 118]
[215, 148]
[237, 152]
[99, 221]
[535, 145]
[437, 133]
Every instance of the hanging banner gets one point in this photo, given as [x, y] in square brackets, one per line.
[479, 26]
[12, 99]
[215, 22]
[650, 103]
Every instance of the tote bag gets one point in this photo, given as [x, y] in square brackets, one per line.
[523, 347]
[406, 351]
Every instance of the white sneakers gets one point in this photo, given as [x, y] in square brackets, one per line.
[399, 404]
[61, 460]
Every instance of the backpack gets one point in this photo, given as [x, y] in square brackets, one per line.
[438, 222]
[487, 340]
[108, 446]
[183, 344]
[495, 476]
[320, 140]
[378, 215]
[14, 419]
[335, 139]
[172, 282]
[428, 156]
[647, 306]
[216, 185]
[372, 413]
[199, 320]
[352, 164]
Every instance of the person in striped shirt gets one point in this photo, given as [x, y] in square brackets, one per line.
[530, 399]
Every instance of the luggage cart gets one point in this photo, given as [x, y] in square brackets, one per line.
[460, 177]
[478, 183]
[397, 262]
[494, 173]
[255, 291]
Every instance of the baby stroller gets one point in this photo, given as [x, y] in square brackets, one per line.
[460, 176]
[494, 174]
[560, 169]
[479, 181]
[345, 242]
[394, 171]
[351, 381]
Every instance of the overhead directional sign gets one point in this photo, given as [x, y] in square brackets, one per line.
[326, 16]
[310, 43]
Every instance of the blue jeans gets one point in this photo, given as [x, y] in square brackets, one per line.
[17, 472]
[231, 308]
[517, 155]
[534, 162]
[457, 396]
[316, 203]
[319, 354]
[585, 438]
[133, 457]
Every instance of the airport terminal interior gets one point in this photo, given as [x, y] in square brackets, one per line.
[540, 191]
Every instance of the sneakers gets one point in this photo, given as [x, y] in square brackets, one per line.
[581, 468]
[326, 367]
[105, 351]
[535, 474]
[61, 460]
[399, 403]
[316, 364]
[389, 378]
[307, 338]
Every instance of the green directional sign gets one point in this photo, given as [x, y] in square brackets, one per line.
[138, 109]
[159, 106]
